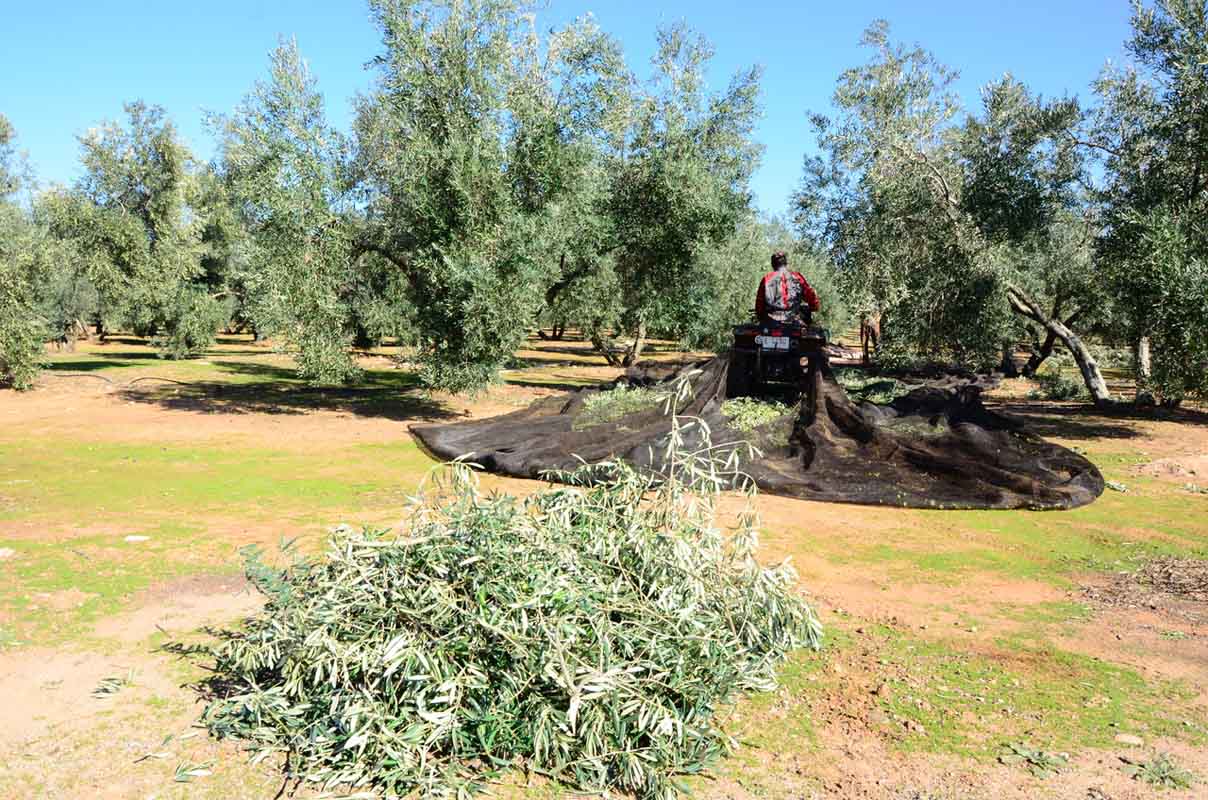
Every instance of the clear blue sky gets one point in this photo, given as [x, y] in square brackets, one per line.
[65, 65]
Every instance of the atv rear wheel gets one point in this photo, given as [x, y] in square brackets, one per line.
[738, 375]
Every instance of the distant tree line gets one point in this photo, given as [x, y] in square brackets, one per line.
[496, 180]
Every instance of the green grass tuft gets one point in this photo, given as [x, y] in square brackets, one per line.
[1160, 770]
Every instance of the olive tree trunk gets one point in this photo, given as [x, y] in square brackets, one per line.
[1025, 306]
[616, 355]
[1144, 370]
[1039, 354]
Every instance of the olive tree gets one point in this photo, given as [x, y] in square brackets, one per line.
[133, 223]
[21, 328]
[960, 231]
[679, 193]
[282, 167]
[882, 198]
[1151, 132]
[476, 155]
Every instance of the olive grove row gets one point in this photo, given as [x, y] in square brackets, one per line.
[496, 180]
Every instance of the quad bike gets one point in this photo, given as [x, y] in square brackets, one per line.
[771, 358]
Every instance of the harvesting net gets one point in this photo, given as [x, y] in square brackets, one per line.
[936, 447]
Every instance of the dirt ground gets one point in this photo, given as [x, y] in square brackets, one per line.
[123, 503]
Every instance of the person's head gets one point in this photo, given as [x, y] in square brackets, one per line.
[779, 260]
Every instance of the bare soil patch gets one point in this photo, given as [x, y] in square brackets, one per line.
[1191, 468]
[182, 606]
[48, 691]
[62, 600]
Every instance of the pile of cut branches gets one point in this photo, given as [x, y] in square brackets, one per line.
[587, 633]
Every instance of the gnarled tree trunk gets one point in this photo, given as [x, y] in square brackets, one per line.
[1039, 355]
[1025, 306]
[617, 356]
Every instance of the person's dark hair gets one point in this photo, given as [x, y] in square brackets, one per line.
[779, 259]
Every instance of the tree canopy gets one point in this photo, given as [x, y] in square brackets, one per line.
[498, 179]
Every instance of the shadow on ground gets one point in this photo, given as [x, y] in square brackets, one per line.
[382, 393]
[86, 366]
[1083, 421]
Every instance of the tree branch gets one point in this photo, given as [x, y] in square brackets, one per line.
[950, 204]
[1093, 145]
[361, 248]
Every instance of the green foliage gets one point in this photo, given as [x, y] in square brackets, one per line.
[1150, 131]
[1053, 384]
[191, 323]
[679, 194]
[607, 406]
[871, 388]
[282, 170]
[1164, 287]
[588, 634]
[1160, 770]
[21, 328]
[1040, 763]
[21, 249]
[931, 221]
[107, 687]
[475, 136]
[748, 413]
[131, 233]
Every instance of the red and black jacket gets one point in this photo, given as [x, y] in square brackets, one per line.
[784, 292]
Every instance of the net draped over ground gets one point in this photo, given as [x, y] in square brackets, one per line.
[936, 447]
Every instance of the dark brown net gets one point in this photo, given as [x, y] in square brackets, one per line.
[933, 448]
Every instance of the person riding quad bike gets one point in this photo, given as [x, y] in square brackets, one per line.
[773, 355]
[783, 293]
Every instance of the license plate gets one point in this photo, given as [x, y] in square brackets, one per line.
[773, 342]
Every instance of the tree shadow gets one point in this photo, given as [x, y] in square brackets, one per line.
[534, 361]
[559, 385]
[127, 355]
[277, 390]
[108, 340]
[548, 350]
[85, 366]
[1082, 421]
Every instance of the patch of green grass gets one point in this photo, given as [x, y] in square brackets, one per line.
[1044, 621]
[1056, 612]
[69, 481]
[779, 722]
[1118, 532]
[57, 590]
[972, 704]
[782, 720]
